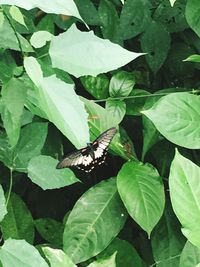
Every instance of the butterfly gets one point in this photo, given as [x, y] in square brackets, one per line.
[91, 155]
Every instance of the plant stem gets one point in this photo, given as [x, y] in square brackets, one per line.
[10, 186]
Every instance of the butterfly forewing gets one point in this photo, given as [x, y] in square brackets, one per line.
[94, 154]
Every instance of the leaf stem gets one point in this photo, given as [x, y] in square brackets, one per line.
[171, 258]
[10, 186]
[141, 96]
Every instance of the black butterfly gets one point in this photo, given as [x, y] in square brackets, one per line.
[93, 154]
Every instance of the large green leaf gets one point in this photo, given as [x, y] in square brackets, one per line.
[192, 15]
[116, 110]
[42, 171]
[126, 254]
[19, 253]
[176, 116]
[155, 41]
[50, 230]
[184, 187]
[30, 144]
[83, 53]
[142, 193]
[134, 18]
[95, 220]
[57, 257]
[88, 11]
[190, 255]
[3, 209]
[18, 223]
[60, 7]
[13, 97]
[167, 240]
[60, 103]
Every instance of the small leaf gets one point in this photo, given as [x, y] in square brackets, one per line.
[30, 144]
[17, 15]
[121, 84]
[193, 58]
[107, 262]
[93, 51]
[18, 223]
[57, 257]
[190, 255]
[155, 41]
[13, 97]
[42, 171]
[116, 109]
[39, 39]
[142, 193]
[184, 187]
[19, 253]
[3, 209]
[176, 116]
[50, 230]
[172, 2]
[95, 220]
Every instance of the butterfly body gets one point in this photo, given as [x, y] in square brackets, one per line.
[93, 154]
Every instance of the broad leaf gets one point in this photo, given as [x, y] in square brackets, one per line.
[155, 41]
[60, 103]
[42, 171]
[184, 185]
[57, 7]
[88, 11]
[142, 193]
[19, 253]
[57, 257]
[13, 97]
[126, 254]
[116, 110]
[50, 230]
[17, 15]
[30, 144]
[190, 255]
[69, 47]
[40, 38]
[3, 209]
[176, 116]
[191, 13]
[107, 262]
[18, 223]
[95, 220]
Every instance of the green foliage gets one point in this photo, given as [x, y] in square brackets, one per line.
[70, 70]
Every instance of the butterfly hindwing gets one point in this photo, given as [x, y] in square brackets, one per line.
[94, 154]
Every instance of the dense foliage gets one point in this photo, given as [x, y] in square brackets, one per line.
[70, 70]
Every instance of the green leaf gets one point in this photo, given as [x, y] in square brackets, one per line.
[30, 144]
[57, 257]
[42, 171]
[134, 18]
[6, 153]
[3, 208]
[7, 66]
[192, 14]
[193, 58]
[109, 21]
[17, 15]
[88, 11]
[176, 116]
[172, 2]
[96, 86]
[190, 255]
[40, 38]
[126, 254]
[69, 47]
[1, 18]
[142, 193]
[18, 223]
[50, 230]
[107, 262]
[184, 187]
[8, 38]
[13, 97]
[167, 240]
[95, 220]
[121, 84]
[19, 253]
[66, 8]
[116, 110]
[64, 109]
[155, 41]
